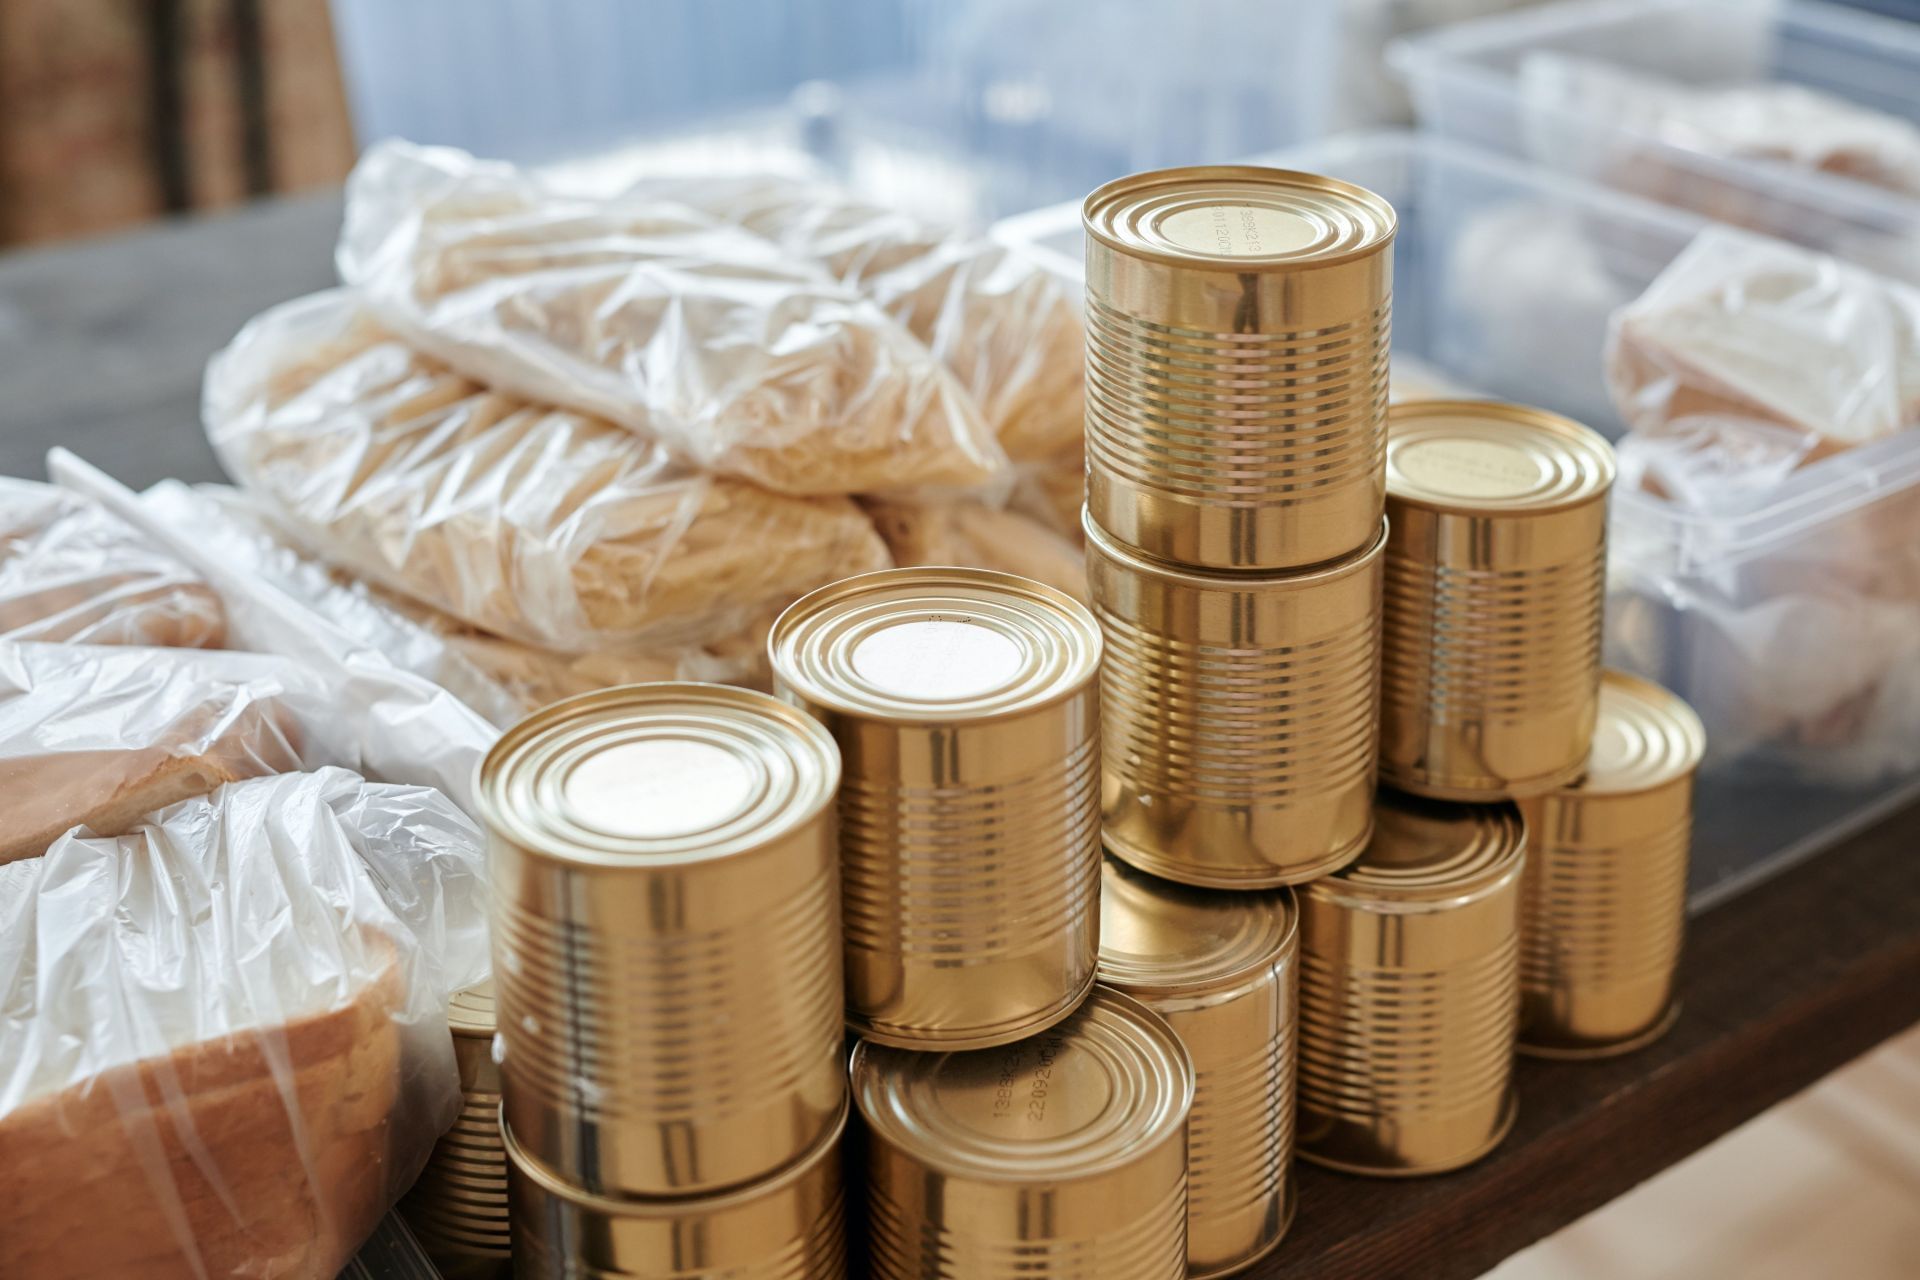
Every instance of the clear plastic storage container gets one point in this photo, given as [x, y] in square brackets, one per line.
[1486, 83]
[1791, 624]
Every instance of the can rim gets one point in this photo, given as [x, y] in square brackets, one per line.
[1042, 682]
[1113, 549]
[1495, 857]
[1108, 202]
[773, 817]
[1187, 978]
[679, 1207]
[471, 1011]
[1580, 443]
[1679, 721]
[937, 1152]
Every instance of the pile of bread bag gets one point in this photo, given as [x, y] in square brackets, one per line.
[536, 444]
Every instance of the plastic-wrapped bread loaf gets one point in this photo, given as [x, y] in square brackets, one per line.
[673, 324]
[1053, 492]
[1741, 326]
[542, 525]
[102, 736]
[223, 1046]
[71, 571]
[973, 535]
[1007, 328]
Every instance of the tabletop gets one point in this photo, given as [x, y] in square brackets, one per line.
[101, 350]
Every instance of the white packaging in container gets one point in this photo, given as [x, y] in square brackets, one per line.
[71, 571]
[543, 525]
[684, 329]
[223, 1045]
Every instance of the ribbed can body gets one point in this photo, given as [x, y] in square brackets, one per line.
[1604, 899]
[669, 1005]
[789, 1227]
[1239, 716]
[1409, 1005]
[458, 1207]
[1495, 584]
[970, 823]
[1237, 338]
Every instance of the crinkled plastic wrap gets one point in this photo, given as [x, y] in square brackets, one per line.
[104, 735]
[679, 327]
[1008, 329]
[974, 535]
[1769, 120]
[1740, 326]
[1053, 492]
[542, 525]
[71, 571]
[223, 1038]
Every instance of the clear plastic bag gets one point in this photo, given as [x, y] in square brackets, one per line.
[545, 526]
[71, 571]
[1764, 120]
[675, 325]
[1008, 329]
[104, 735]
[1740, 326]
[223, 1037]
[974, 535]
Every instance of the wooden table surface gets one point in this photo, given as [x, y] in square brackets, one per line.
[101, 348]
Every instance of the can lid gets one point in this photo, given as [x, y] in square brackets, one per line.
[1238, 218]
[935, 645]
[1472, 456]
[1644, 737]
[1161, 938]
[1426, 849]
[470, 1012]
[1088, 1095]
[657, 774]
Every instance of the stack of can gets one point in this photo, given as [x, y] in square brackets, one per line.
[458, 1208]
[667, 971]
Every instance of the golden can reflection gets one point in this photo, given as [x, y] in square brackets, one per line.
[1604, 903]
[666, 936]
[966, 713]
[1221, 969]
[1409, 992]
[1239, 714]
[1237, 334]
[1495, 582]
[790, 1226]
[1059, 1157]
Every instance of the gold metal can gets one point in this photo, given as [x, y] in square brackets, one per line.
[967, 715]
[1495, 582]
[666, 936]
[1058, 1157]
[1239, 716]
[791, 1226]
[458, 1208]
[1221, 968]
[1237, 331]
[1604, 899]
[1409, 992]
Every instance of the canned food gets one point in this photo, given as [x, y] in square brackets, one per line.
[791, 1226]
[1409, 992]
[666, 936]
[1496, 576]
[1059, 1157]
[458, 1208]
[1221, 968]
[968, 722]
[1604, 898]
[1237, 328]
[1239, 716]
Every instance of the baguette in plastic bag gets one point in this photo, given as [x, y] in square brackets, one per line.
[223, 1044]
[101, 736]
[1008, 329]
[973, 535]
[542, 525]
[71, 571]
[679, 327]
